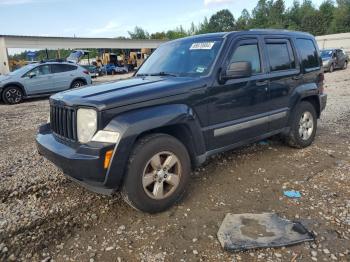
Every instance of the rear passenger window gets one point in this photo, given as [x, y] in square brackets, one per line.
[59, 68]
[280, 56]
[309, 56]
[248, 53]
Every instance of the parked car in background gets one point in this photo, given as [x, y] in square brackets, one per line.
[192, 98]
[334, 59]
[41, 79]
[93, 70]
[121, 69]
[108, 69]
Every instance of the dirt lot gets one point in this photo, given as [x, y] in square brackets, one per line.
[44, 216]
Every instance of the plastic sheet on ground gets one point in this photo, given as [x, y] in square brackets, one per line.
[240, 232]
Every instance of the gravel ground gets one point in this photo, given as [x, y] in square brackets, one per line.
[45, 217]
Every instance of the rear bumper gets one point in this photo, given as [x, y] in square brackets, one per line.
[81, 163]
[323, 101]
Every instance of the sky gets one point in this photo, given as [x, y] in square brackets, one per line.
[109, 18]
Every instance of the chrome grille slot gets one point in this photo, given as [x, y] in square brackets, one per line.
[63, 122]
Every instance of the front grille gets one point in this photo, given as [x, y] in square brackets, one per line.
[63, 122]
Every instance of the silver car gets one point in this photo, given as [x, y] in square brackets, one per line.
[41, 79]
[334, 59]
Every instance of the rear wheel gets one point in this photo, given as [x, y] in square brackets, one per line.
[345, 65]
[158, 173]
[12, 95]
[303, 126]
[77, 84]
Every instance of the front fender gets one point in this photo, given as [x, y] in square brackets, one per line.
[134, 123]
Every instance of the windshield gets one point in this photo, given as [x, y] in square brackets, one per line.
[22, 70]
[187, 57]
[326, 53]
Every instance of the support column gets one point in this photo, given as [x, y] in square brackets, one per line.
[4, 62]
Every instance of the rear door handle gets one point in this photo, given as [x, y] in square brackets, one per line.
[262, 83]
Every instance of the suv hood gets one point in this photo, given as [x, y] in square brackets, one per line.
[125, 92]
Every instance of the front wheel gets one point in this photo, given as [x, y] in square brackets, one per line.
[12, 95]
[303, 126]
[331, 68]
[345, 65]
[158, 173]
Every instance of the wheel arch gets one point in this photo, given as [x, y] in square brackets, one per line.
[17, 84]
[305, 92]
[177, 120]
[315, 101]
[181, 132]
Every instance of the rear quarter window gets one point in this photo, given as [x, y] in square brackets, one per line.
[308, 52]
[59, 68]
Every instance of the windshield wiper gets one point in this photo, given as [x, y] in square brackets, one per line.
[163, 74]
[142, 74]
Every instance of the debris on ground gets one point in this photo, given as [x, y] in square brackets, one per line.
[239, 232]
[292, 194]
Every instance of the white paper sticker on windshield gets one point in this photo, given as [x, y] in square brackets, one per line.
[202, 45]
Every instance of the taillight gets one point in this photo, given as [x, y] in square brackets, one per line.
[86, 72]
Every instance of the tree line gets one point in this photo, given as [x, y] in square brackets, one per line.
[329, 18]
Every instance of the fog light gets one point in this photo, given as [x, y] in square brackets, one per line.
[108, 157]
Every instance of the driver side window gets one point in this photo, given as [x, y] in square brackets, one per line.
[40, 70]
[248, 53]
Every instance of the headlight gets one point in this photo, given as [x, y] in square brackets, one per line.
[86, 124]
[106, 137]
[325, 62]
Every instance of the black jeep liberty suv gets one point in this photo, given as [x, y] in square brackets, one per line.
[192, 98]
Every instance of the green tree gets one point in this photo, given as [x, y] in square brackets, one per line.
[222, 21]
[243, 22]
[176, 33]
[260, 15]
[276, 14]
[341, 21]
[159, 36]
[203, 27]
[139, 33]
[326, 11]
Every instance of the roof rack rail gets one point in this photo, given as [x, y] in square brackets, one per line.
[269, 29]
[53, 60]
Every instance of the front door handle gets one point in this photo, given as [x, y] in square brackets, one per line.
[262, 83]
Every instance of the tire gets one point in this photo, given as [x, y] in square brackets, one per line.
[331, 68]
[345, 65]
[143, 192]
[303, 131]
[12, 95]
[77, 84]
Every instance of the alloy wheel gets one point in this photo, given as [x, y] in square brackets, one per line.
[306, 125]
[161, 175]
[77, 84]
[13, 95]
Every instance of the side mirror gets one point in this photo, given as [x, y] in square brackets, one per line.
[238, 70]
[32, 74]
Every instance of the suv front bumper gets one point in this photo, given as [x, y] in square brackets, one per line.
[81, 163]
